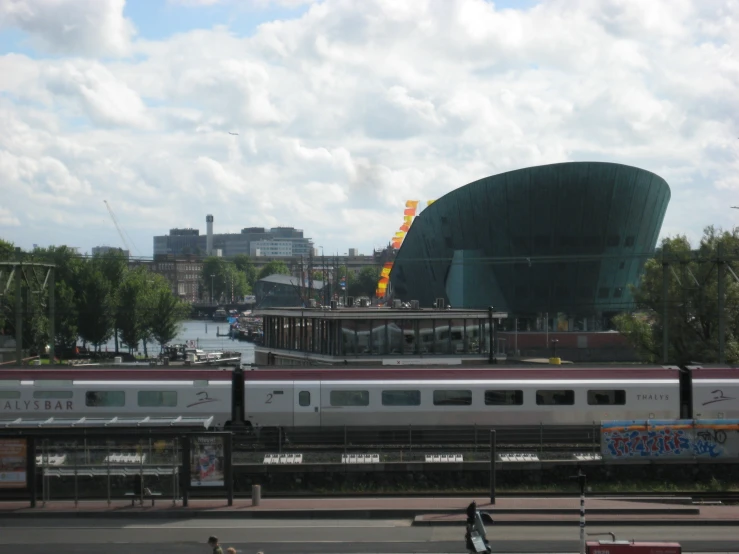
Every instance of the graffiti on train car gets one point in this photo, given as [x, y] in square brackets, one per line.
[672, 438]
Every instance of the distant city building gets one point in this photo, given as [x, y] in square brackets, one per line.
[100, 250]
[352, 252]
[271, 248]
[182, 273]
[277, 291]
[183, 242]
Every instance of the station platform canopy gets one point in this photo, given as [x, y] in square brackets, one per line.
[148, 422]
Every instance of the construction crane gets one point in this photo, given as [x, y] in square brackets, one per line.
[118, 227]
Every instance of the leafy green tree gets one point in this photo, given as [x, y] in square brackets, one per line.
[95, 304]
[275, 267]
[7, 251]
[244, 264]
[113, 265]
[169, 311]
[691, 301]
[364, 283]
[132, 307]
[224, 278]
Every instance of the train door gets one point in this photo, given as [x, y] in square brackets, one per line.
[307, 404]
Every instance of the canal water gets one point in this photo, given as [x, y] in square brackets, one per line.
[203, 334]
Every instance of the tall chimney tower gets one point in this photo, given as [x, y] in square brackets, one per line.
[209, 235]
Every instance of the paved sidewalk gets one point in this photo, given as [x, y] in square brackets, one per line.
[424, 511]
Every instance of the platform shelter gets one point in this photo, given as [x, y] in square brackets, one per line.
[140, 459]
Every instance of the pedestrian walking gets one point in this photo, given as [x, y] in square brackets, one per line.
[213, 543]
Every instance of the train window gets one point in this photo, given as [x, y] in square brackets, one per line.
[13, 394]
[401, 398]
[555, 397]
[503, 397]
[304, 398]
[105, 399]
[452, 398]
[607, 397]
[157, 399]
[349, 398]
[53, 394]
[278, 392]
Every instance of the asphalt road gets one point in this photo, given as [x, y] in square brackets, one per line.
[314, 537]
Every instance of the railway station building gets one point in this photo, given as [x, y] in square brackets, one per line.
[554, 246]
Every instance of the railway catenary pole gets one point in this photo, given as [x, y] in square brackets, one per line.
[52, 315]
[665, 315]
[493, 446]
[720, 274]
[491, 357]
[581, 479]
[18, 316]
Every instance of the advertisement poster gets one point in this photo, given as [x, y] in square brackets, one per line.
[206, 463]
[13, 464]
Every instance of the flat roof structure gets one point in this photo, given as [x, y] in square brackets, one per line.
[377, 336]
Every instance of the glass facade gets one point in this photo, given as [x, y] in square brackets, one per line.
[560, 242]
[390, 334]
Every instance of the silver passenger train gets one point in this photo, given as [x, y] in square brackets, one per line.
[376, 398]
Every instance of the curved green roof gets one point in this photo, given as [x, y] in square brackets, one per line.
[588, 226]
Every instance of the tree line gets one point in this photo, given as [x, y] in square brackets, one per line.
[96, 299]
[227, 279]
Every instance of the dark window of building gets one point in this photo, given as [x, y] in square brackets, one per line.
[349, 398]
[617, 292]
[591, 242]
[562, 291]
[304, 398]
[541, 242]
[448, 242]
[607, 397]
[444, 220]
[584, 292]
[520, 267]
[541, 292]
[522, 291]
[452, 398]
[629, 241]
[503, 397]
[568, 241]
[520, 243]
[603, 292]
[401, 398]
[555, 397]
[621, 265]
[613, 240]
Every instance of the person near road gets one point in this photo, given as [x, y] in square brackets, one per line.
[213, 543]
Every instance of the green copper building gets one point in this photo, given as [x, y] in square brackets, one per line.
[563, 239]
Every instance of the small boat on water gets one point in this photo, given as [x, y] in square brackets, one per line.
[220, 315]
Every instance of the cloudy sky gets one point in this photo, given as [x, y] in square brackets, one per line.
[344, 109]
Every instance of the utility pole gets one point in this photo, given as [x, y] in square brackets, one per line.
[721, 299]
[665, 313]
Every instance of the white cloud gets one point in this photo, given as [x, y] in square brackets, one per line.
[8, 219]
[352, 107]
[87, 27]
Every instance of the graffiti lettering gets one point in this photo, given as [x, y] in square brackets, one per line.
[646, 443]
[684, 438]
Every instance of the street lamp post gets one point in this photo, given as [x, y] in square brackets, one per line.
[211, 287]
